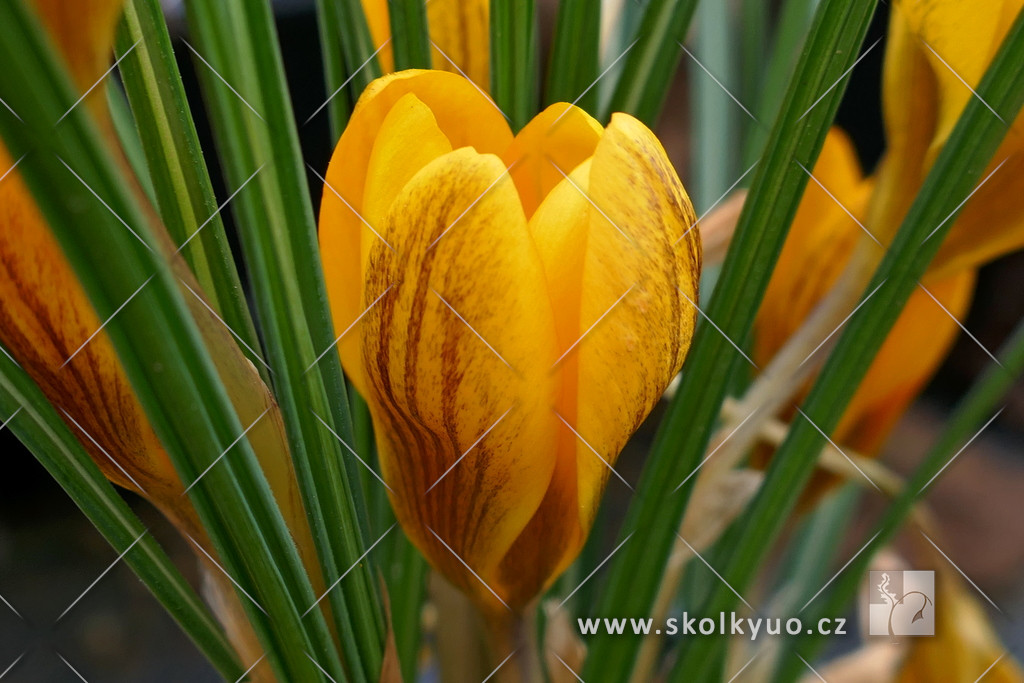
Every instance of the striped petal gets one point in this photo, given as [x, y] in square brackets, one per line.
[457, 360]
[434, 112]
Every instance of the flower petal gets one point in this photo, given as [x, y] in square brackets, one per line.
[548, 148]
[445, 111]
[461, 32]
[378, 20]
[457, 357]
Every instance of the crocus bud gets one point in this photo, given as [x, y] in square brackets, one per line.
[515, 308]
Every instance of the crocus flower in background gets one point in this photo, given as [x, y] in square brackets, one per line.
[459, 31]
[515, 308]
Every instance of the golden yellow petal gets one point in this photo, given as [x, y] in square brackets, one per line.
[457, 358]
[548, 148]
[820, 242]
[639, 268]
[379, 21]
[456, 111]
[934, 44]
[461, 32]
[910, 355]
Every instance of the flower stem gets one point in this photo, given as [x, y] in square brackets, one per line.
[512, 646]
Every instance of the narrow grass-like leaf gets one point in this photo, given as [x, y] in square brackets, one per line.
[184, 194]
[514, 84]
[410, 39]
[573, 64]
[124, 126]
[157, 341]
[971, 416]
[716, 118]
[793, 22]
[254, 128]
[349, 56]
[951, 179]
[651, 60]
[655, 513]
[407, 586]
[43, 432]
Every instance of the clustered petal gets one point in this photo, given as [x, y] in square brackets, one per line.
[521, 305]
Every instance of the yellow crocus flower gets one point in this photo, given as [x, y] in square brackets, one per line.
[515, 308]
[932, 45]
[937, 52]
[821, 242]
[459, 31]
